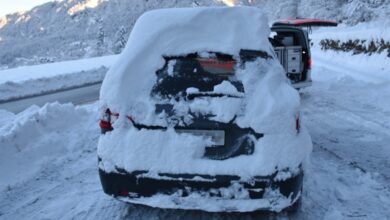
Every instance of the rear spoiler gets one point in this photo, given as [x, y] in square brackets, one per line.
[301, 22]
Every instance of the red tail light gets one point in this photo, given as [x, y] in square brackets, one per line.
[309, 63]
[108, 118]
[105, 125]
[297, 124]
[105, 121]
[214, 63]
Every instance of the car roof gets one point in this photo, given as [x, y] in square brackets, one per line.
[286, 27]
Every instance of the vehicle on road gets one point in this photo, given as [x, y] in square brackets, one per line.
[292, 47]
[198, 115]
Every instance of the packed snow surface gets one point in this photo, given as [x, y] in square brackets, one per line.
[270, 105]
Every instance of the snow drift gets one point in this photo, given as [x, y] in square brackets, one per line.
[38, 136]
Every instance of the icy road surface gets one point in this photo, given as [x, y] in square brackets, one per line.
[48, 162]
[79, 95]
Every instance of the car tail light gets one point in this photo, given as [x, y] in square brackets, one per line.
[297, 124]
[108, 118]
[105, 124]
[105, 121]
[215, 66]
[309, 63]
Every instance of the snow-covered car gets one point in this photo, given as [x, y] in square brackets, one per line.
[198, 114]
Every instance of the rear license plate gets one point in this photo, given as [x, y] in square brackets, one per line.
[216, 136]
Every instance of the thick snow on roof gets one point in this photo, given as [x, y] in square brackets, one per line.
[168, 32]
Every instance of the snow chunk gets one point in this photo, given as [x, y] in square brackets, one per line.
[225, 88]
[171, 64]
[192, 90]
[207, 55]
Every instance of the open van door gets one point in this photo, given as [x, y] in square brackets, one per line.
[290, 39]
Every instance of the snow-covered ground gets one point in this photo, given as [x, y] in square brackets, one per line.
[38, 79]
[348, 118]
[374, 68]
[48, 160]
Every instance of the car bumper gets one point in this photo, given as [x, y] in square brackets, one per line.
[203, 192]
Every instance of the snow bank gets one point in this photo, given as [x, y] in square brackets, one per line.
[374, 68]
[25, 73]
[37, 136]
[14, 90]
[362, 67]
[270, 105]
[34, 80]
[364, 31]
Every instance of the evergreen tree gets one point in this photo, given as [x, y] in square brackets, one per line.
[120, 40]
[101, 44]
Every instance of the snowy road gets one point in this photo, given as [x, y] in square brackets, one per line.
[348, 118]
[78, 95]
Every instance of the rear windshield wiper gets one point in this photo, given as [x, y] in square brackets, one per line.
[204, 94]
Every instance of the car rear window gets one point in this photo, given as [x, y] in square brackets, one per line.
[201, 72]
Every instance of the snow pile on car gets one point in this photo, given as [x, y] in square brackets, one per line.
[175, 32]
[270, 105]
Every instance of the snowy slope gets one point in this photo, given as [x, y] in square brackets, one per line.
[75, 29]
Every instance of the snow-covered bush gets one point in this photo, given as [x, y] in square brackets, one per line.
[357, 46]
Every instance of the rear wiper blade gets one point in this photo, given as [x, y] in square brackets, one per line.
[203, 94]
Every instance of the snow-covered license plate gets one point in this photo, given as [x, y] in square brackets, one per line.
[216, 136]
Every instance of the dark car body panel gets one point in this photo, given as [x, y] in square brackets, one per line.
[138, 184]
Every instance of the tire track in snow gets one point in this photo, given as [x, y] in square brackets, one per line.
[336, 190]
[349, 118]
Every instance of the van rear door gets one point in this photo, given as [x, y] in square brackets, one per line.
[299, 22]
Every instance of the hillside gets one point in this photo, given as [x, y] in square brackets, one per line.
[74, 29]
